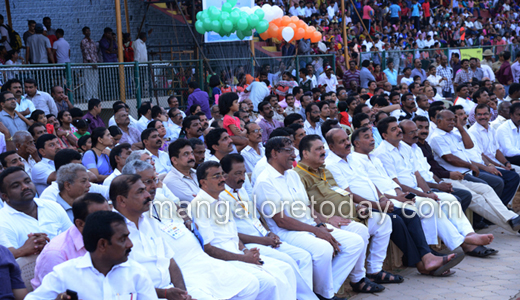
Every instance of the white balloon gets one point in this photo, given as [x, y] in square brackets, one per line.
[266, 6]
[255, 8]
[277, 12]
[268, 13]
[246, 9]
[287, 33]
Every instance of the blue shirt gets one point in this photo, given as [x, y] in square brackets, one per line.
[394, 11]
[415, 9]
[101, 163]
[391, 76]
[10, 274]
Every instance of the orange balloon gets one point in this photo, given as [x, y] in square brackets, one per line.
[293, 26]
[276, 22]
[298, 34]
[285, 20]
[308, 32]
[273, 30]
[316, 37]
[265, 35]
[301, 24]
[295, 19]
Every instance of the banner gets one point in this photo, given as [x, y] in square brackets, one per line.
[213, 37]
[469, 53]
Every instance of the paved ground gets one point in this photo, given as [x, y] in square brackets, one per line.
[496, 277]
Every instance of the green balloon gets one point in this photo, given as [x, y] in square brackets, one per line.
[247, 32]
[224, 16]
[227, 25]
[227, 7]
[262, 26]
[242, 24]
[214, 14]
[215, 25]
[207, 24]
[199, 26]
[240, 35]
[253, 20]
[199, 15]
[234, 17]
[260, 13]
[232, 2]
[243, 15]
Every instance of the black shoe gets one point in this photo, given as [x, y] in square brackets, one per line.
[515, 223]
[480, 225]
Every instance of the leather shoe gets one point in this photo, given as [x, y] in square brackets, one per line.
[515, 223]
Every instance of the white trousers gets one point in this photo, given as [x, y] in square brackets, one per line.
[249, 292]
[329, 272]
[486, 203]
[300, 261]
[276, 278]
[380, 233]
[435, 223]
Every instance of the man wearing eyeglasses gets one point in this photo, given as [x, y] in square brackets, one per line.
[219, 231]
[8, 115]
[254, 150]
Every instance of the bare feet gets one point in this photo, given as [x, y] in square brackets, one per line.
[431, 262]
[478, 239]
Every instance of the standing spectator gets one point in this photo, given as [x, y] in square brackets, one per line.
[328, 79]
[93, 114]
[368, 14]
[259, 91]
[394, 12]
[47, 23]
[140, 52]
[464, 75]
[4, 30]
[477, 72]
[198, 97]
[504, 75]
[445, 72]
[416, 14]
[365, 75]
[61, 48]
[89, 53]
[108, 45]
[515, 69]
[391, 73]
[30, 31]
[38, 49]
[62, 101]
[40, 99]
[426, 12]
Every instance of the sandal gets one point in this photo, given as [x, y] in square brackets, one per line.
[444, 274]
[384, 277]
[482, 251]
[366, 286]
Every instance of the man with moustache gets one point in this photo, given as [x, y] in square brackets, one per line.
[407, 232]
[192, 128]
[219, 144]
[334, 252]
[105, 270]
[44, 172]
[253, 233]
[321, 186]
[267, 123]
[152, 143]
[463, 98]
[8, 114]
[130, 198]
[23, 105]
[204, 276]
[503, 114]
[27, 222]
[199, 151]
[312, 122]
[485, 201]
[408, 107]
[26, 148]
[219, 233]
[69, 244]
[182, 179]
[130, 134]
[254, 150]
[174, 123]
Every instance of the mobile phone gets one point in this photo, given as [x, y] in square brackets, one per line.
[261, 262]
[410, 196]
[73, 295]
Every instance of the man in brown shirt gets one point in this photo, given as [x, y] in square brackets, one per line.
[337, 206]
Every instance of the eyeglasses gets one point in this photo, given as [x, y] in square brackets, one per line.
[219, 176]
[257, 130]
[150, 181]
[10, 99]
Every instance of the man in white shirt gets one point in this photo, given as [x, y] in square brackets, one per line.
[253, 233]
[312, 122]
[508, 135]
[182, 179]
[23, 105]
[328, 79]
[453, 227]
[503, 114]
[463, 98]
[217, 227]
[61, 47]
[41, 100]
[25, 218]
[146, 116]
[44, 172]
[423, 105]
[152, 142]
[105, 271]
[301, 10]
[451, 148]
[254, 150]
[409, 235]
[258, 91]
[174, 123]
[293, 11]
[117, 158]
[300, 229]
[139, 45]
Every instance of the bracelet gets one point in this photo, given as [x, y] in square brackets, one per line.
[165, 290]
[320, 224]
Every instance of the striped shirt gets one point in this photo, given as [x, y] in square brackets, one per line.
[348, 76]
[447, 73]
[463, 76]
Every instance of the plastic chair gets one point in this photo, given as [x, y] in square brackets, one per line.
[27, 265]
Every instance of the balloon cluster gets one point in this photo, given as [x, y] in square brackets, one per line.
[290, 29]
[241, 21]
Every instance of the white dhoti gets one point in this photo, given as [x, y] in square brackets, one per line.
[329, 272]
[300, 261]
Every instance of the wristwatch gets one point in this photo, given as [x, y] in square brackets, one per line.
[429, 192]
[320, 224]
